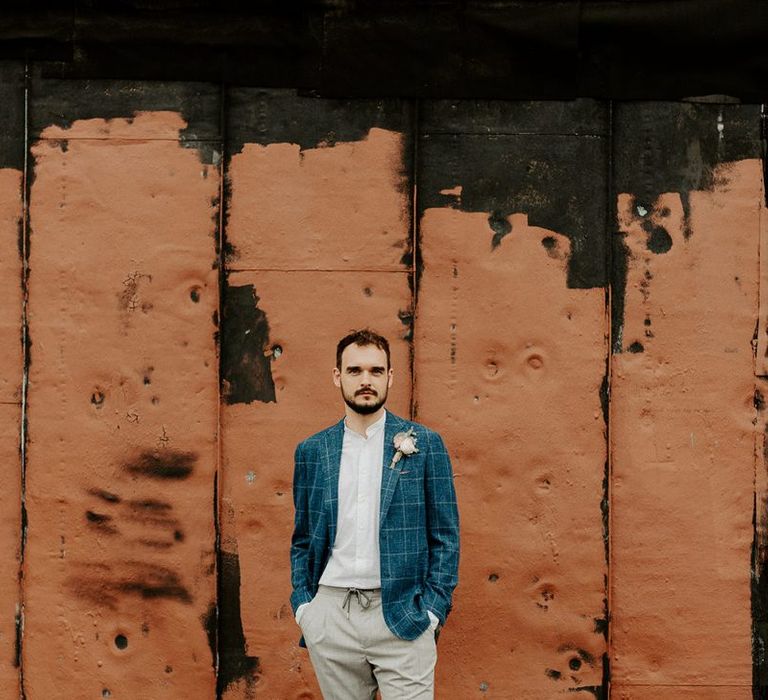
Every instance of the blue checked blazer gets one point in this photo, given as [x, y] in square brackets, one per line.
[418, 524]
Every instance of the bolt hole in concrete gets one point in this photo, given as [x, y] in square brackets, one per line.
[194, 294]
[105, 693]
[493, 578]
[277, 350]
[367, 291]
[97, 398]
[121, 641]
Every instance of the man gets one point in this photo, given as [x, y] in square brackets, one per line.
[375, 547]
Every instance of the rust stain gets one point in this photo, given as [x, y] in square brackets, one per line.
[120, 561]
[509, 366]
[683, 432]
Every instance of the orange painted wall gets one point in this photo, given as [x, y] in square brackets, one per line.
[188, 282]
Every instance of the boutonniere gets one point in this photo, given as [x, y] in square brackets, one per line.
[405, 445]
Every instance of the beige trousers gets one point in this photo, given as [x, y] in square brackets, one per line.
[354, 653]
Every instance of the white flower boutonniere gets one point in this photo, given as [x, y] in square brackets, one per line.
[405, 445]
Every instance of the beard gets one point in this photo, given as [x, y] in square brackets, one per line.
[364, 409]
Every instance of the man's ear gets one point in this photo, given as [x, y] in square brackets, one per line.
[336, 376]
[391, 377]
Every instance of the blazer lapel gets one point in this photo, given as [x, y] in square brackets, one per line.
[389, 477]
[334, 439]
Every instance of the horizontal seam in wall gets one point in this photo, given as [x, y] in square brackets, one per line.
[64, 137]
[404, 271]
[508, 133]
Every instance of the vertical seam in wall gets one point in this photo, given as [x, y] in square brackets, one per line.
[756, 608]
[222, 284]
[24, 385]
[414, 249]
[610, 219]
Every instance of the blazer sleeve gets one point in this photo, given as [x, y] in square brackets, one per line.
[300, 576]
[442, 516]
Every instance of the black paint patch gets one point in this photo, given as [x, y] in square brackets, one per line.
[12, 117]
[62, 102]
[104, 584]
[759, 400]
[246, 372]
[759, 589]
[284, 116]
[636, 347]
[659, 240]
[500, 227]
[107, 496]
[210, 624]
[150, 504]
[234, 663]
[668, 147]
[540, 175]
[166, 464]
[620, 255]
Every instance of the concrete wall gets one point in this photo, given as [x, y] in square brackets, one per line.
[573, 293]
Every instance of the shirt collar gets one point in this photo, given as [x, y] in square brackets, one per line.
[372, 429]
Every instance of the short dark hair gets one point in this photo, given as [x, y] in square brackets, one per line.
[364, 336]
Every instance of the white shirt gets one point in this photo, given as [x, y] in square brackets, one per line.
[354, 560]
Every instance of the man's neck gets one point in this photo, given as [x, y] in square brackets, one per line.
[359, 423]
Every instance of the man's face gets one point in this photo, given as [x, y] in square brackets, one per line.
[364, 378]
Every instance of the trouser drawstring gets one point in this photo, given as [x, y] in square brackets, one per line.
[363, 599]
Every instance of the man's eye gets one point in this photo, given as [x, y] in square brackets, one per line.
[378, 371]
[353, 371]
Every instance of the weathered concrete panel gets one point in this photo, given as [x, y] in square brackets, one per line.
[317, 184]
[317, 243]
[509, 365]
[10, 542]
[11, 364]
[683, 395]
[120, 568]
[305, 314]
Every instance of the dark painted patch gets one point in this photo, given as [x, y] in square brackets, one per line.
[100, 522]
[759, 589]
[620, 255]
[62, 102]
[155, 544]
[500, 227]
[555, 675]
[104, 584]
[759, 400]
[549, 242]
[150, 504]
[165, 464]
[12, 116]
[246, 372]
[636, 347]
[284, 116]
[659, 240]
[234, 663]
[540, 175]
[210, 624]
[662, 147]
[107, 496]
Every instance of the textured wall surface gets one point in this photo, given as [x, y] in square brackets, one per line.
[576, 300]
